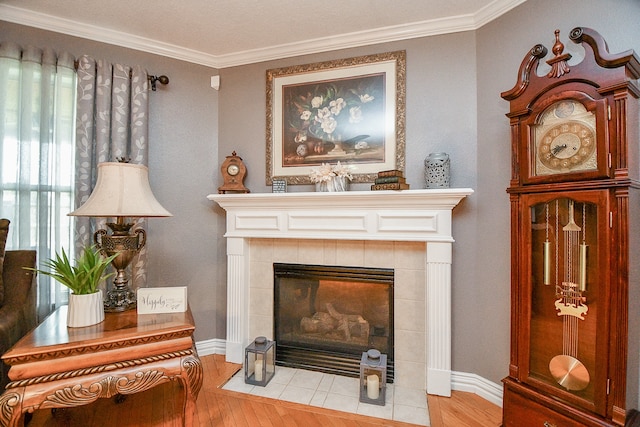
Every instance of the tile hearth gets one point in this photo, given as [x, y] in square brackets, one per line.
[336, 392]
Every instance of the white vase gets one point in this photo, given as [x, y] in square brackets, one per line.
[85, 310]
[337, 183]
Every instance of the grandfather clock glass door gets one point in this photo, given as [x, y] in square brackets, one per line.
[567, 333]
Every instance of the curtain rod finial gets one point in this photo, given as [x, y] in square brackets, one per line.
[161, 79]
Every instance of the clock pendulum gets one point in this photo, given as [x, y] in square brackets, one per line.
[566, 368]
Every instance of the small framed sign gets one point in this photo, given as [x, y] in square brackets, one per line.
[162, 300]
[279, 185]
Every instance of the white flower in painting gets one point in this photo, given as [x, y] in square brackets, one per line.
[366, 98]
[361, 145]
[355, 115]
[329, 124]
[306, 115]
[316, 102]
[337, 106]
[322, 114]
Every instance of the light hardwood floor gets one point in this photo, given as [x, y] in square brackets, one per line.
[217, 407]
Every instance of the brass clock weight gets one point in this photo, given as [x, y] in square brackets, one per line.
[233, 172]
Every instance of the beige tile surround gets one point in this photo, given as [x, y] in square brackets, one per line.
[408, 259]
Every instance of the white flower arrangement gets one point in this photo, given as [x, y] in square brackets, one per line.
[326, 172]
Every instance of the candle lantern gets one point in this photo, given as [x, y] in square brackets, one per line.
[373, 377]
[260, 362]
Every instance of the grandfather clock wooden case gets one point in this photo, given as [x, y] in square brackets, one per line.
[575, 237]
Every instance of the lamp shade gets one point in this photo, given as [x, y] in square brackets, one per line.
[122, 190]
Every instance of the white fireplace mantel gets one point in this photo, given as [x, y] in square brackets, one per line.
[414, 215]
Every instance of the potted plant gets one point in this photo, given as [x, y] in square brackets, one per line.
[86, 306]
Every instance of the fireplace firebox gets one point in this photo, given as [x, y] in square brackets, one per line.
[326, 316]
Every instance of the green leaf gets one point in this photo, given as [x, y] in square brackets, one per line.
[83, 277]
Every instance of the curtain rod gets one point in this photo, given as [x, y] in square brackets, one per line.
[152, 79]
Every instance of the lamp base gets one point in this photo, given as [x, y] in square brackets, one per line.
[120, 299]
[125, 246]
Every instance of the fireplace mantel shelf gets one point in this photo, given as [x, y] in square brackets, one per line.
[413, 215]
[434, 198]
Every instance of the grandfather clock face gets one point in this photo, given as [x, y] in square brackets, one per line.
[565, 140]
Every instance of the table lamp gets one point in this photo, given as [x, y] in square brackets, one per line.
[122, 191]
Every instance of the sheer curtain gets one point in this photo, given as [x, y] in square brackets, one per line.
[37, 112]
[112, 123]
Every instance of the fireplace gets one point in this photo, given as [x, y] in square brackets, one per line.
[326, 316]
[409, 231]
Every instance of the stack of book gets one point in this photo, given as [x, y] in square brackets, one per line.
[390, 180]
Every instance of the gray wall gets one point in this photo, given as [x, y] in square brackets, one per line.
[453, 104]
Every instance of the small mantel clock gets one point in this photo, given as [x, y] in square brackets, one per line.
[233, 172]
[575, 218]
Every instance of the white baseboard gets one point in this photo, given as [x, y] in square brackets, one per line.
[460, 381]
[208, 347]
[472, 383]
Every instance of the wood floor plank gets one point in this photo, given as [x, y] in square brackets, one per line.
[216, 407]
[463, 410]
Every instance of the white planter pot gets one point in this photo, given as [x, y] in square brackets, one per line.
[85, 310]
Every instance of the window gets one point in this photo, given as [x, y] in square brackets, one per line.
[37, 130]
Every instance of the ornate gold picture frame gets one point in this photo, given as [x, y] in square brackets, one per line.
[348, 110]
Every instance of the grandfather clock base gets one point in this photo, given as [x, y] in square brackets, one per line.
[523, 407]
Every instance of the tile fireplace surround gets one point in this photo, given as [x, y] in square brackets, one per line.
[409, 231]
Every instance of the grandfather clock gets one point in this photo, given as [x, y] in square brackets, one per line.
[575, 238]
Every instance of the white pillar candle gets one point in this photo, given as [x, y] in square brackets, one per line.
[373, 387]
[258, 370]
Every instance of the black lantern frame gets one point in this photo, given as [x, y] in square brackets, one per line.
[260, 362]
[373, 377]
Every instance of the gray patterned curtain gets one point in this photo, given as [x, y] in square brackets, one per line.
[111, 123]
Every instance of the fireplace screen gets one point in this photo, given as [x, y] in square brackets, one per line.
[326, 316]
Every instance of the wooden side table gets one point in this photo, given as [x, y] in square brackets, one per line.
[59, 367]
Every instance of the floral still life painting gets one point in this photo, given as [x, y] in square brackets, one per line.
[340, 120]
[350, 111]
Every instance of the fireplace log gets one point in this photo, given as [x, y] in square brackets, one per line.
[350, 327]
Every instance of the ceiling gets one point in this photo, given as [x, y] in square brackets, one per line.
[224, 33]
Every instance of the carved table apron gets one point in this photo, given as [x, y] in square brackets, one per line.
[59, 367]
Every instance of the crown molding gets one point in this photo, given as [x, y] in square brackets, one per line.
[448, 25]
[103, 35]
[350, 40]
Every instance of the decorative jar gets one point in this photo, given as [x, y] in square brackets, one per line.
[436, 170]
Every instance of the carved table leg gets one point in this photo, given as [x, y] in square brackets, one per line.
[191, 377]
[11, 407]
